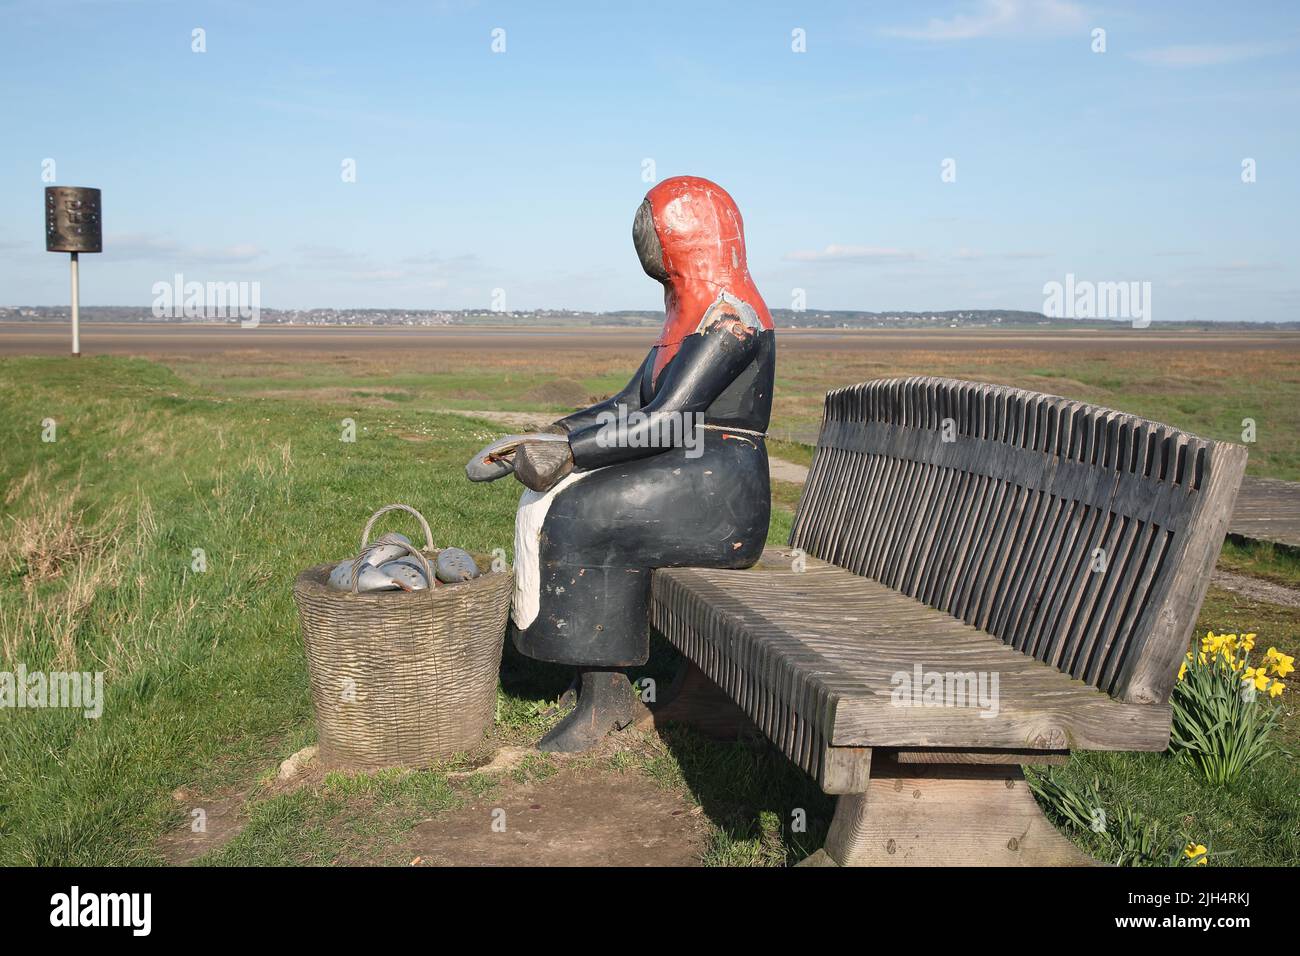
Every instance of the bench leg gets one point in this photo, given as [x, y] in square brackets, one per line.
[945, 815]
[695, 700]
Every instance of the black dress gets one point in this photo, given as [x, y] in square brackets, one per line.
[633, 505]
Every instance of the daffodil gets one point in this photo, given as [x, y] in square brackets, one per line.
[1275, 689]
[1197, 852]
[1283, 664]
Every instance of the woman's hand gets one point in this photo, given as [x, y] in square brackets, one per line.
[493, 462]
[539, 465]
[501, 457]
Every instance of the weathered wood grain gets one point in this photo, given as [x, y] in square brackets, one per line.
[845, 770]
[1267, 510]
[1072, 532]
[833, 649]
[918, 815]
[971, 532]
[950, 755]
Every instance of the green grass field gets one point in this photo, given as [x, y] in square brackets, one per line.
[206, 683]
[1208, 392]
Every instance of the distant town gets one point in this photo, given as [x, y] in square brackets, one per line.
[784, 318]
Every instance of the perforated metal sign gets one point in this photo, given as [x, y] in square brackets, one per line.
[73, 219]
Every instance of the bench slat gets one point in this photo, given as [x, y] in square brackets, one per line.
[953, 526]
[999, 526]
[788, 634]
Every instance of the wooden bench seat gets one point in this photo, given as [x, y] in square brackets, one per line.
[1050, 554]
[848, 648]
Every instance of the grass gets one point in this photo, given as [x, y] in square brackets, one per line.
[764, 811]
[1262, 559]
[1253, 823]
[348, 818]
[205, 674]
[205, 677]
[467, 381]
[1209, 393]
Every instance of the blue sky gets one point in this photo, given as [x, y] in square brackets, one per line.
[521, 170]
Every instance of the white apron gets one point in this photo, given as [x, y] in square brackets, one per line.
[533, 506]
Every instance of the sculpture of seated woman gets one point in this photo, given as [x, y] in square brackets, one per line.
[670, 472]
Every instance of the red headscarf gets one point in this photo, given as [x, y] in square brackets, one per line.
[703, 240]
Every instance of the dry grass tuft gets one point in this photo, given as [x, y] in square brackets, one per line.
[51, 535]
[51, 540]
[36, 476]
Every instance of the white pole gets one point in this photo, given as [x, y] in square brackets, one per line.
[76, 309]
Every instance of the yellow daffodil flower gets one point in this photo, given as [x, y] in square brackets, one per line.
[1283, 664]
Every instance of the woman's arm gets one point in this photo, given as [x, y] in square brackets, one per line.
[705, 365]
[630, 397]
[547, 464]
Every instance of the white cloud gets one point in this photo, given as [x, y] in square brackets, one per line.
[440, 263]
[325, 254]
[837, 253]
[128, 246]
[992, 18]
[977, 254]
[1242, 265]
[1206, 54]
[379, 275]
[425, 271]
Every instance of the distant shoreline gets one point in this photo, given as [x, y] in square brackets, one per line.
[836, 320]
[150, 339]
[1114, 328]
[1092, 326]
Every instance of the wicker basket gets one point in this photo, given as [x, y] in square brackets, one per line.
[402, 678]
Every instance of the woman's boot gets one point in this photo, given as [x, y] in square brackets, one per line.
[605, 703]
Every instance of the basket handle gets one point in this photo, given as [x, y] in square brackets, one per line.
[410, 549]
[370, 525]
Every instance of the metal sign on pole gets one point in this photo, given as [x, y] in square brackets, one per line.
[73, 223]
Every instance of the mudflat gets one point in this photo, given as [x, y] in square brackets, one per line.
[149, 339]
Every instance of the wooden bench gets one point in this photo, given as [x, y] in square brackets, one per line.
[952, 534]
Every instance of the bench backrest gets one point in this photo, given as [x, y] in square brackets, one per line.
[1082, 536]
